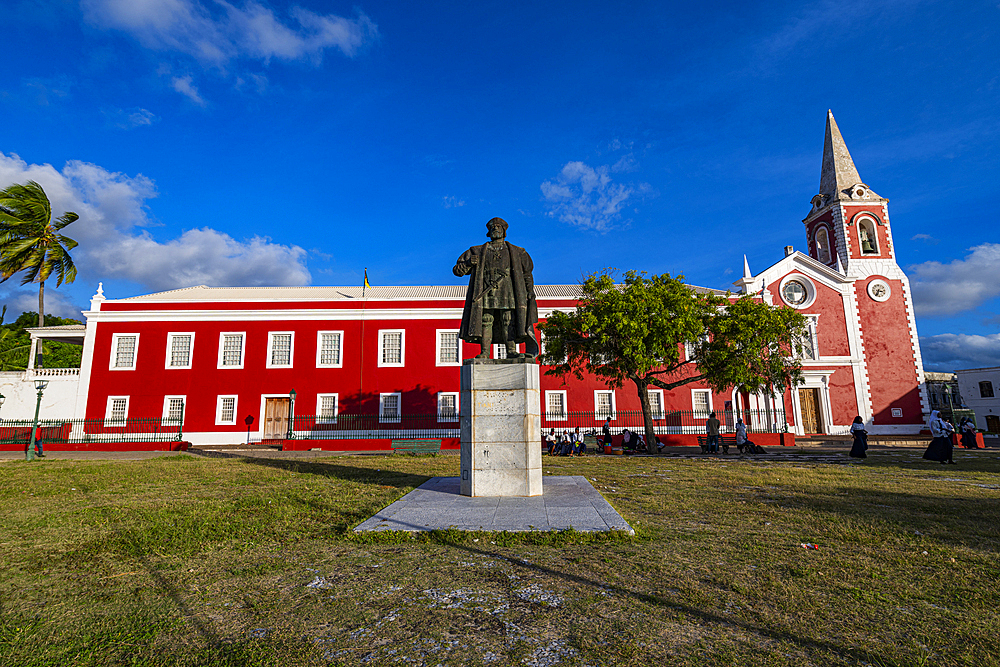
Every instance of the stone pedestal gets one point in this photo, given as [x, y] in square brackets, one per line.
[501, 424]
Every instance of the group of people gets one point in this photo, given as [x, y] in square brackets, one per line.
[940, 449]
[566, 443]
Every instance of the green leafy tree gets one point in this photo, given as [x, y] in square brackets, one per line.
[635, 331]
[30, 240]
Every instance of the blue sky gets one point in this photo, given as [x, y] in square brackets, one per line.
[240, 143]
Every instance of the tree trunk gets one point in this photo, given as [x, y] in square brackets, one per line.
[40, 358]
[647, 414]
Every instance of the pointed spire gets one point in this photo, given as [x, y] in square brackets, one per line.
[839, 172]
[746, 268]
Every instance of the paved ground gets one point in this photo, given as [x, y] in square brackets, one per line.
[566, 502]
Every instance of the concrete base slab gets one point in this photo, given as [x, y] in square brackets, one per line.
[437, 504]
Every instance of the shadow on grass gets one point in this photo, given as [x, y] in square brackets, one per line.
[400, 480]
[857, 655]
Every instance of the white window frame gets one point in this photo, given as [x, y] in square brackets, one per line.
[165, 420]
[707, 392]
[455, 417]
[243, 348]
[319, 350]
[823, 229]
[218, 409]
[270, 349]
[502, 347]
[437, 348]
[873, 225]
[381, 406]
[812, 328]
[402, 349]
[114, 352]
[565, 406]
[170, 348]
[663, 410]
[336, 408]
[614, 412]
[113, 423]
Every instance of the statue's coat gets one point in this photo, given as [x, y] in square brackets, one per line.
[526, 313]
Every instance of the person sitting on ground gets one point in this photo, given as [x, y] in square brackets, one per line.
[579, 448]
[626, 439]
[566, 443]
[712, 429]
[860, 447]
[550, 440]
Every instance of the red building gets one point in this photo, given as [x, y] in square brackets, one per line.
[214, 356]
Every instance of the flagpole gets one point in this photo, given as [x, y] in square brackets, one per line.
[361, 372]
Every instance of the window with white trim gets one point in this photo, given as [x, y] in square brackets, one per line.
[173, 410]
[448, 406]
[604, 405]
[279, 349]
[655, 403]
[823, 244]
[701, 403]
[500, 350]
[231, 347]
[449, 348]
[326, 408]
[225, 410]
[389, 407]
[117, 411]
[329, 349]
[809, 341]
[391, 347]
[555, 406]
[123, 351]
[867, 237]
[179, 350]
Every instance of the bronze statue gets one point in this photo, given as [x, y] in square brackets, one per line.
[500, 303]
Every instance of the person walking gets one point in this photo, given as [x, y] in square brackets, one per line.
[967, 429]
[712, 429]
[607, 434]
[860, 448]
[940, 448]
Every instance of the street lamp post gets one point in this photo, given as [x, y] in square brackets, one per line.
[951, 410]
[40, 385]
[291, 414]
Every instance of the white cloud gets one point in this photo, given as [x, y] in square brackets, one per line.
[114, 245]
[25, 299]
[927, 238]
[586, 197]
[183, 85]
[452, 202]
[218, 32]
[131, 118]
[949, 352]
[960, 285]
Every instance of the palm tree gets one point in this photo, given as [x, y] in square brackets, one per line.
[30, 240]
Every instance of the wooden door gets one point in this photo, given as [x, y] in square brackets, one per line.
[810, 407]
[992, 424]
[275, 418]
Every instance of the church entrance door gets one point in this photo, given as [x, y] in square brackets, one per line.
[812, 422]
[276, 418]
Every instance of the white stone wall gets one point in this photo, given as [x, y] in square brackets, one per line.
[968, 385]
[58, 399]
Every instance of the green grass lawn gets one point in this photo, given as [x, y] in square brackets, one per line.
[193, 561]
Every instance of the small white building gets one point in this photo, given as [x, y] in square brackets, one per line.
[980, 389]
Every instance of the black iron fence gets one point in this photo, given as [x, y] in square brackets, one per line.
[362, 427]
[77, 431]
[667, 422]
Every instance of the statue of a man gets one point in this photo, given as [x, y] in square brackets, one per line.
[500, 303]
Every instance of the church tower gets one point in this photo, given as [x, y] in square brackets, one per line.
[848, 230]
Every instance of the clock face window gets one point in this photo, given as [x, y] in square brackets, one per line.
[794, 292]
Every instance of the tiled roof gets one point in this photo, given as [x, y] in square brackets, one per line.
[320, 293]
